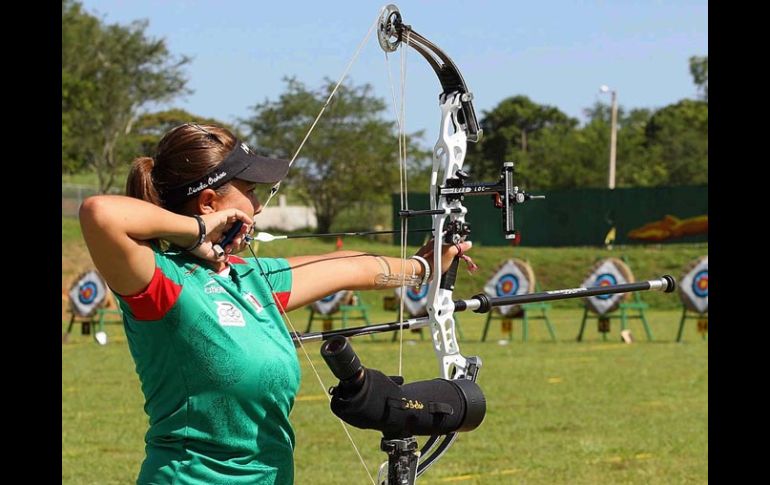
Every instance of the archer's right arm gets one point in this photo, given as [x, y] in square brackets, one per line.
[117, 231]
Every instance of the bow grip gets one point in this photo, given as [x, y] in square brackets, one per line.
[448, 278]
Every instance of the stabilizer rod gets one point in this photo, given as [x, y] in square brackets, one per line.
[482, 303]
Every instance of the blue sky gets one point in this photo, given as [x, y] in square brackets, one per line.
[555, 52]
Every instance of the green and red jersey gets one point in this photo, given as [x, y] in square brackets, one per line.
[218, 370]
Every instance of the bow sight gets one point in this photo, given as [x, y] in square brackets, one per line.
[505, 196]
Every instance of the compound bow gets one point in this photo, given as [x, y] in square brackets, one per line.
[449, 185]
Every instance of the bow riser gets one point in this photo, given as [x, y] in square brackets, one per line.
[448, 158]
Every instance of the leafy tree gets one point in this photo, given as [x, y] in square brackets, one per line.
[78, 59]
[109, 73]
[352, 154]
[510, 131]
[664, 147]
[677, 136]
[699, 68]
[570, 157]
[635, 167]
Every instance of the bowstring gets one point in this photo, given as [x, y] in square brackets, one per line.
[399, 109]
[274, 191]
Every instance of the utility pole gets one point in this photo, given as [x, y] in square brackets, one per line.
[613, 133]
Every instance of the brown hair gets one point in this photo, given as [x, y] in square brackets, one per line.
[185, 153]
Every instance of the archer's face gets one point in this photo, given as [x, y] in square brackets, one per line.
[241, 195]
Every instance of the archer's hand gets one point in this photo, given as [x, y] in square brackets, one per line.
[217, 224]
[448, 253]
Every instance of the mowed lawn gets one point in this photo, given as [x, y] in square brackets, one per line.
[564, 412]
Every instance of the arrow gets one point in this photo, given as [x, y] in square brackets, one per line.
[267, 237]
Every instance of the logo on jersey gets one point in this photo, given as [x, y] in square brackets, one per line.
[229, 315]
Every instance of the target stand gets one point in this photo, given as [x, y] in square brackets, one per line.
[511, 278]
[625, 314]
[97, 320]
[525, 314]
[606, 272]
[348, 304]
[703, 323]
[694, 293]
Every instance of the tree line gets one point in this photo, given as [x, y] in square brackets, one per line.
[114, 75]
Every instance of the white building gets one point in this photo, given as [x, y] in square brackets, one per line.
[286, 217]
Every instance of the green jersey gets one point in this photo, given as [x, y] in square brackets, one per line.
[218, 370]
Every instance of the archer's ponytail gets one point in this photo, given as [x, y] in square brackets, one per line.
[140, 184]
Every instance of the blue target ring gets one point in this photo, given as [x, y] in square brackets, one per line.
[605, 279]
[700, 284]
[416, 295]
[87, 293]
[507, 285]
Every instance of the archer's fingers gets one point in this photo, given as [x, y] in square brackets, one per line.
[239, 215]
[464, 246]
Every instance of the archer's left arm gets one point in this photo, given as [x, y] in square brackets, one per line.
[314, 277]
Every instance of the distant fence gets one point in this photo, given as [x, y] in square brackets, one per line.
[72, 195]
[585, 217]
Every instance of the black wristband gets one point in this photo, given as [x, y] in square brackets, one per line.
[201, 233]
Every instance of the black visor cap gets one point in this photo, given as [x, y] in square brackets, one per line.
[240, 163]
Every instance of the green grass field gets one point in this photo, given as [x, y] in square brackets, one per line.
[565, 412]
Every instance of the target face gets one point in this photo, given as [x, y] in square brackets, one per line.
[700, 284]
[607, 272]
[605, 279]
[507, 285]
[87, 294]
[416, 295]
[694, 285]
[330, 303]
[514, 277]
[416, 301]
